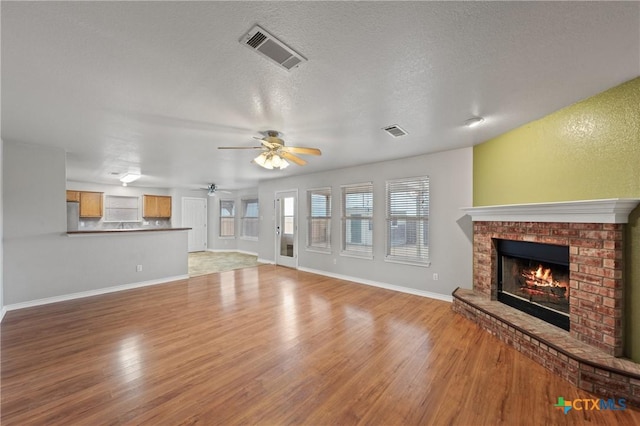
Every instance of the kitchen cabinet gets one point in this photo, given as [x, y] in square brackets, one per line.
[73, 196]
[156, 206]
[90, 204]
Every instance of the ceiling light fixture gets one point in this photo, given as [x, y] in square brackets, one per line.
[129, 177]
[473, 121]
[270, 160]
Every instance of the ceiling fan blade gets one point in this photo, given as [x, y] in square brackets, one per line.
[268, 144]
[301, 150]
[240, 147]
[294, 159]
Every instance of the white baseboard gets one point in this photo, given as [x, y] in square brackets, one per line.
[267, 261]
[90, 293]
[4, 311]
[251, 253]
[416, 292]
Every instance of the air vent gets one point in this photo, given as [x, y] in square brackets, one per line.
[395, 131]
[261, 41]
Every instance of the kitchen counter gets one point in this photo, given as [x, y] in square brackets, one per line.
[124, 230]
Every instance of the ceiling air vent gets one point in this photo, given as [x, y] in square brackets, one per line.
[395, 131]
[264, 43]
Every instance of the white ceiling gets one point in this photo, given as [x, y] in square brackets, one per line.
[158, 86]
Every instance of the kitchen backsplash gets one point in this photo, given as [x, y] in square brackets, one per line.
[89, 224]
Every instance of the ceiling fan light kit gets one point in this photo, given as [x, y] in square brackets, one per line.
[271, 161]
[212, 188]
[275, 155]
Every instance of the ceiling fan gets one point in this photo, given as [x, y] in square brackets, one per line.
[275, 154]
[212, 189]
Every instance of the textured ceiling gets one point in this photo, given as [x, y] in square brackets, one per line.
[158, 86]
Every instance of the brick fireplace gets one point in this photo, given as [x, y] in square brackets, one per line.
[593, 231]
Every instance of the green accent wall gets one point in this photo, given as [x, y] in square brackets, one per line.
[589, 150]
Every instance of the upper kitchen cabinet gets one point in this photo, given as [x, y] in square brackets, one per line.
[90, 204]
[156, 206]
[73, 196]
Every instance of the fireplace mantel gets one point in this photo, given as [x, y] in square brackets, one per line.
[612, 210]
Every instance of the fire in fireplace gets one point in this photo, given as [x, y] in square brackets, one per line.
[534, 278]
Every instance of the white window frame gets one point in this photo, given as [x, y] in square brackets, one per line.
[226, 218]
[407, 227]
[245, 220]
[122, 208]
[313, 220]
[349, 248]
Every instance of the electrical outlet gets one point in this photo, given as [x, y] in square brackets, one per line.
[139, 268]
[435, 276]
[335, 261]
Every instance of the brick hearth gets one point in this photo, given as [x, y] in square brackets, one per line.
[579, 363]
[589, 354]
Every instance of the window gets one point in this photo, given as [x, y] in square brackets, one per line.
[357, 220]
[250, 219]
[408, 220]
[227, 218]
[119, 208]
[288, 216]
[319, 221]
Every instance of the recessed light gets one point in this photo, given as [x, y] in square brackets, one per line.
[473, 121]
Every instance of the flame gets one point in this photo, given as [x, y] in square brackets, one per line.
[543, 277]
[544, 274]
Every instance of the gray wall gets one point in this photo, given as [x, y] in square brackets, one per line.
[450, 176]
[42, 261]
[237, 243]
[1, 235]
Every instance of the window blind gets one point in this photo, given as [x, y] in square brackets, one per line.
[408, 220]
[227, 218]
[357, 219]
[250, 218]
[319, 220]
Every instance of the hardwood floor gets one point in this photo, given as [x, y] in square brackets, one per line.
[270, 345]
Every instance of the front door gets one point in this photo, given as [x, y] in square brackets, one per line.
[286, 228]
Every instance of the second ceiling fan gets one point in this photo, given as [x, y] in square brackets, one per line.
[275, 155]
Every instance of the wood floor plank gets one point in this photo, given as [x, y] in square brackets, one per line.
[269, 345]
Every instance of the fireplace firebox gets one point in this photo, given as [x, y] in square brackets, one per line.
[534, 278]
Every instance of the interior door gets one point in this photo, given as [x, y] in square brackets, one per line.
[286, 228]
[194, 216]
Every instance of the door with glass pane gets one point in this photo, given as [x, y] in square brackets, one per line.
[286, 229]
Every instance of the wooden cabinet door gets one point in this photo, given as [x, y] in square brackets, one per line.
[90, 204]
[156, 206]
[73, 196]
[164, 207]
[149, 206]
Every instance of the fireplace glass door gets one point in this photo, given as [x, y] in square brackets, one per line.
[535, 280]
